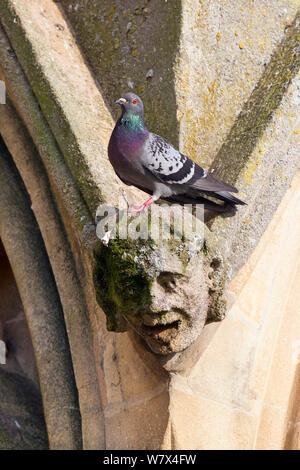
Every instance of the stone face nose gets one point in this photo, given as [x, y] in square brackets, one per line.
[162, 293]
[160, 298]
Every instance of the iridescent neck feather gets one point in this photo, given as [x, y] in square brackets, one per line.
[133, 122]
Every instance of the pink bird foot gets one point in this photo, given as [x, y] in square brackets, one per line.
[137, 209]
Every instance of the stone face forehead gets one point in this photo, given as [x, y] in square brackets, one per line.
[179, 238]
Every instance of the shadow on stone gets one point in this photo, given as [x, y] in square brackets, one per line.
[132, 46]
[22, 424]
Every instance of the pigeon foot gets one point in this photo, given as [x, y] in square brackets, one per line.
[135, 209]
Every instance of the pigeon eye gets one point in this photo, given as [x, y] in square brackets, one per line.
[134, 101]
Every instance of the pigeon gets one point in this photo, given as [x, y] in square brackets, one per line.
[149, 162]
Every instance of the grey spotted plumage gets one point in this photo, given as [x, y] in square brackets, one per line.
[151, 163]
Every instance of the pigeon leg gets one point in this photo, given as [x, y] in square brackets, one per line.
[137, 209]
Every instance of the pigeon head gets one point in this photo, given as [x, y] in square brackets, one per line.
[131, 104]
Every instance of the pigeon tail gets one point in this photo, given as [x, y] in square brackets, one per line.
[227, 197]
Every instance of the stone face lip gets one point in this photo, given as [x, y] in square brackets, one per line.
[162, 331]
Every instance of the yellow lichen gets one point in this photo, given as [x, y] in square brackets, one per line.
[213, 86]
[249, 172]
[194, 124]
[279, 172]
[241, 45]
[110, 12]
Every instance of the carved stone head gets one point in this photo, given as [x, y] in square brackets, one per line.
[166, 291]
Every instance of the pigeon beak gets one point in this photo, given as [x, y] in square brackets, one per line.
[120, 101]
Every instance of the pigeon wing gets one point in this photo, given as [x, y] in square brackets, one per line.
[172, 167]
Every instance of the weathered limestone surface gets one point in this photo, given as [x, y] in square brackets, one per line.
[245, 386]
[206, 57]
[24, 247]
[133, 45]
[230, 97]
[261, 152]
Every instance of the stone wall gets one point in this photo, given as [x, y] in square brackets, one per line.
[221, 80]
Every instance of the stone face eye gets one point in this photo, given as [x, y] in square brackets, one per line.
[167, 281]
[134, 101]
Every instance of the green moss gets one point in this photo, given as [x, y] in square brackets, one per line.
[121, 279]
[204, 248]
